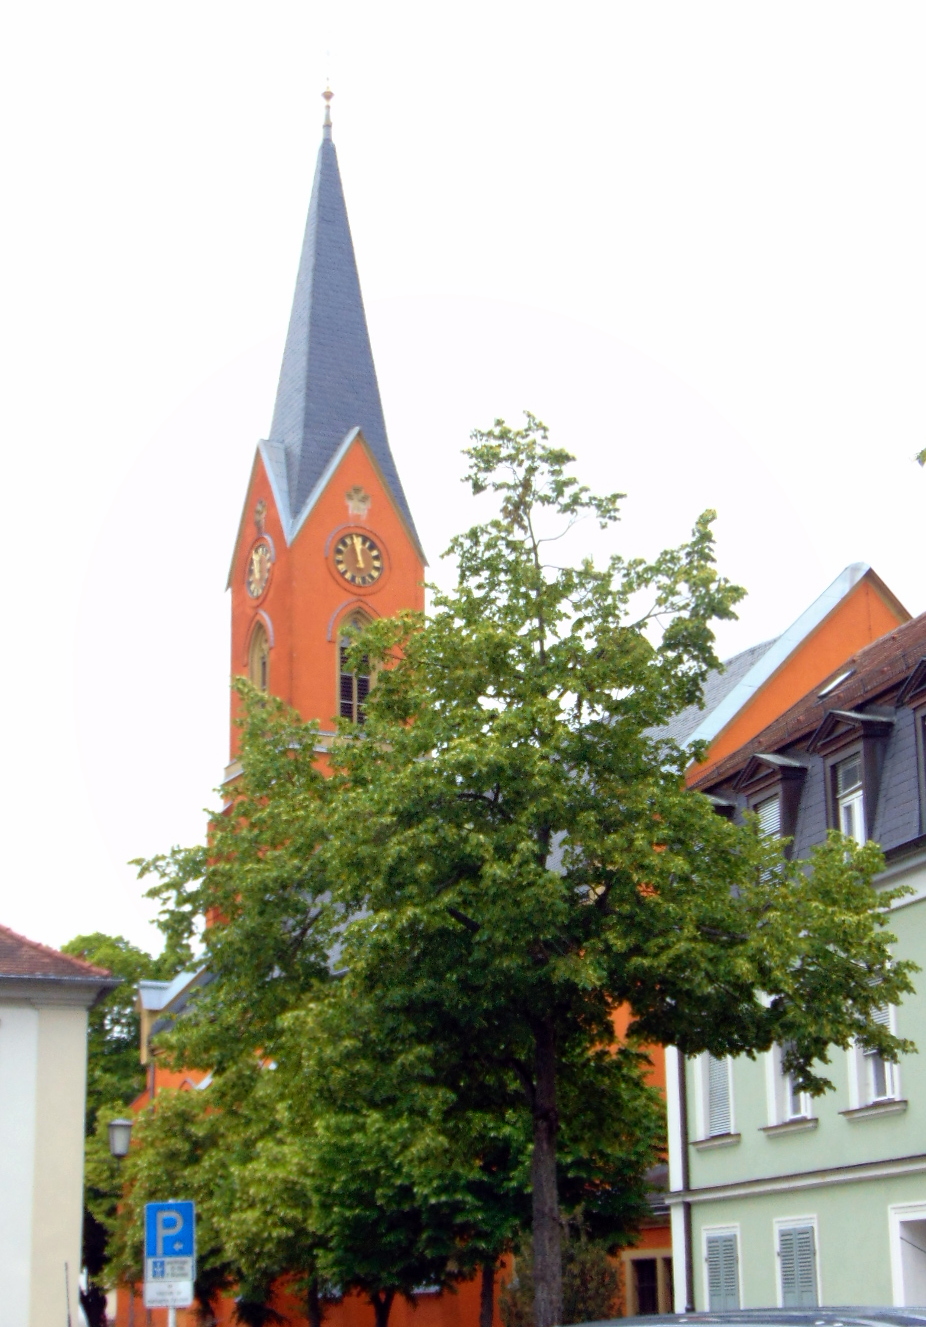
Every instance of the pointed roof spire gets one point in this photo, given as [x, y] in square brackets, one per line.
[328, 381]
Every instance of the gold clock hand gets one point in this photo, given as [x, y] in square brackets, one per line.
[358, 549]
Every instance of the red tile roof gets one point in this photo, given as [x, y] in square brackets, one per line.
[20, 957]
[875, 669]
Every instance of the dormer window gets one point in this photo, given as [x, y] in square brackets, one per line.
[850, 798]
[853, 745]
[769, 813]
[772, 785]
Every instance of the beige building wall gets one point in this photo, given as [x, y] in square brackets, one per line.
[43, 1076]
[57, 1185]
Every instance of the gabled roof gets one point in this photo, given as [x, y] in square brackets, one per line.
[20, 957]
[156, 995]
[778, 650]
[719, 684]
[328, 383]
[873, 671]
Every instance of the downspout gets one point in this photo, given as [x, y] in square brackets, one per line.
[686, 1181]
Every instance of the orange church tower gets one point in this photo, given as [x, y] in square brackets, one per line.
[326, 535]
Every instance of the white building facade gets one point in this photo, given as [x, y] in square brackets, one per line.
[44, 999]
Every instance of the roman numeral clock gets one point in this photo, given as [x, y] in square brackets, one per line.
[358, 559]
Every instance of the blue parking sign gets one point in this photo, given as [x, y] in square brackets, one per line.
[170, 1230]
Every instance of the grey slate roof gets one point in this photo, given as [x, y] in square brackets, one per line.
[873, 682]
[718, 685]
[328, 381]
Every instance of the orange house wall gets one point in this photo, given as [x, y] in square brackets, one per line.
[454, 1308]
[857, 620]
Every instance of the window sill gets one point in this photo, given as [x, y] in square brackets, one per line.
[718, 1140]
[799, 1125]
[875, 1109]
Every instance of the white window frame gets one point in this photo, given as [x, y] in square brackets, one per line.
[788, 1223]
[897, 1213]
[702, 1096]
[854, 799]
[859, 1062]
[728, 1229]
[763, 819]
[777, 1092]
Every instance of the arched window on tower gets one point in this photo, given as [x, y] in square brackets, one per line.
[352, 687]
[259, 658]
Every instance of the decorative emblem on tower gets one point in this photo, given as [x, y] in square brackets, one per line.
[358, 501]
[260, 513]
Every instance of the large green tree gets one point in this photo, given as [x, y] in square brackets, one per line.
[505, 852]
[516, 844]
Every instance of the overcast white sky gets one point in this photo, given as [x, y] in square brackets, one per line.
[690, 236]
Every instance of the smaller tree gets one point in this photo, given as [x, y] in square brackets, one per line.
[182, 1146]
[591, 1281]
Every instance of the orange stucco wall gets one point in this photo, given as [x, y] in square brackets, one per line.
[857, 620]
[656, 1073]
[306, 600]
[454, 1308]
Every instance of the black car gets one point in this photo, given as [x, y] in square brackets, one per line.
[822, 1317]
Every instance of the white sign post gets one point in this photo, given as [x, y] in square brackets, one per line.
[170, 1256]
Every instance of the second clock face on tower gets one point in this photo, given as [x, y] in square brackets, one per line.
[258, 571]
[358, 560]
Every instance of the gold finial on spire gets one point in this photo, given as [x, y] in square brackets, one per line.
[326, 126]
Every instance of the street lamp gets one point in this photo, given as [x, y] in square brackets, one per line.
[120, 1136]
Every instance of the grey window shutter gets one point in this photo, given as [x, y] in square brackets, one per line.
[718, 1096]
[798, 1268]
[722, 1280]
[769, 813]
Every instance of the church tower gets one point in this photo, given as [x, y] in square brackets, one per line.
[326, 536]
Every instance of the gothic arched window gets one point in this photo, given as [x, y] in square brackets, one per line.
[352, 687]
[259, 658]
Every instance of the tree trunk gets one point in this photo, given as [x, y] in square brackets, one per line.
[382, 1303]
[313, 1304]
[548, 1260]
[487, 1293]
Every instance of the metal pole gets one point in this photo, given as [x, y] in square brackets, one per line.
[171, 1318]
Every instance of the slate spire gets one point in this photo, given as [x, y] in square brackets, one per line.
[328, 381]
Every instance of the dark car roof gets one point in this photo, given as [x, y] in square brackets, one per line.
[821, 1317]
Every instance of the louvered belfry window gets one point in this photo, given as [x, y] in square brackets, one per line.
[769, 813]
[353, 687]
[718, 1096]
[722, 1273]
[798, 1259]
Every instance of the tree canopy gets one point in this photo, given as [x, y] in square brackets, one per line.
[505, 852]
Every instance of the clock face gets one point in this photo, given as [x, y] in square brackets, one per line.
[258, 572]
[358, 559]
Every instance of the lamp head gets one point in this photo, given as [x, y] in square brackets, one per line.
[120, 1136]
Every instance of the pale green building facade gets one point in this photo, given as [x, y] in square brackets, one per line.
[777, 1199]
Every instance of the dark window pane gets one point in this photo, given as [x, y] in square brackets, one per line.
[646, 1285]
